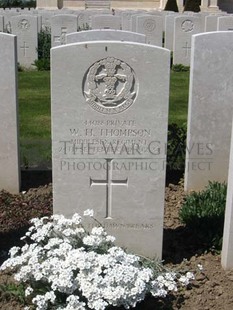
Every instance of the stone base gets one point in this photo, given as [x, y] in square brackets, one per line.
[79, 4]
[135, 4]
[49, 4]
[211, 9]
[71, 4]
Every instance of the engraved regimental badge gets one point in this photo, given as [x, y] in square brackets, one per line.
[24, 24]
[109, 86]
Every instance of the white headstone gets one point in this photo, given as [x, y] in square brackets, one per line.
[210, 109]
[46, 17]
[211, 23]
[225, 23]
[7, 20]
[25, 27]
[109, 129]
[9, 153]
[185, 27]
[227, 247]
[60, 26]
[1, 23]
[126, 20]
[152, 27]
[169, 31]
[106, 34]
[84, 18]
[106, 22]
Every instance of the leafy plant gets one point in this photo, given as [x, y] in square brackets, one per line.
[180, 68]
[176, 147]
[44, 46]
[18, 3]
[171, 5]
[66, 266]
[192, 5]
[203, 212]
[12, 290]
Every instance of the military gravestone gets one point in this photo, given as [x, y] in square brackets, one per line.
[227, 247]
[25, 27]
[9, 153]
[105, 34]
[109, 131]
[210, 109]
[184, 28]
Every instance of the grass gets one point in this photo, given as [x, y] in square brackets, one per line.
[35, 121]
[34, 118]
[178, 103]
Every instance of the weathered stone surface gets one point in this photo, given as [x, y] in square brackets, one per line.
[109, 131]
[210, 109]
[106, 34]
[9, 153]
[25, 27]
[185, 27]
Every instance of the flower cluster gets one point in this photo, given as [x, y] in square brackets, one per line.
[64, 266]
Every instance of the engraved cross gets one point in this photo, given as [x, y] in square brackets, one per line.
[24, 47]
[187, 49]
[109, 183]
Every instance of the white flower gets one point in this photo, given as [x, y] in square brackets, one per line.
[200, 267]
[190, 275]
[88, 212]
[28, 291]
[73, 264]
[14, 250]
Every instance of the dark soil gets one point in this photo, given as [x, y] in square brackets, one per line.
[212, 288]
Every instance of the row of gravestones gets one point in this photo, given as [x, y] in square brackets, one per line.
[178, 29]
[109, 131]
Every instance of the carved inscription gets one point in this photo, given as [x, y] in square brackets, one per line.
[187, 25]
[24, 48]
[187, 49]
[24, 24]
[108, 183]
[149, 25]
[110, 86]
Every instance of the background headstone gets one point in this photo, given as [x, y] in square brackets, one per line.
[225, 23]
[169, 31]
[211, 23]
[1, 23]
[227, 247]
[185, 27]
[210, 109]
[105, 104]
[9, 152]
[106, 22]
[25, 27]
[126, 20]
[60, 26]
[106, 34]
[152, 27]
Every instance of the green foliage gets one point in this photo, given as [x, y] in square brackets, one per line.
[44, 46]
[192, 5]
[10, 291]
[176, 147]
[203, 212]
[180, 68]
[178, 100]
[17, 3]
[171, 5]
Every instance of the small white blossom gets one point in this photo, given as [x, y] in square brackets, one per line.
[88, 212]
[28, 291]
[200, 267]
[64, 259]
